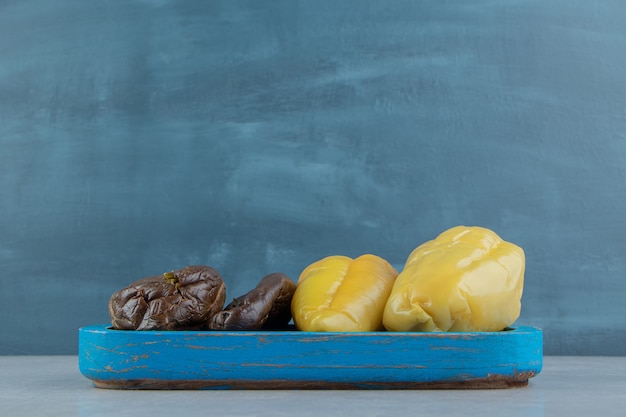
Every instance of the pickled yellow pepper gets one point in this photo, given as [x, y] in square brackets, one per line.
[341, 294]
[467, 279]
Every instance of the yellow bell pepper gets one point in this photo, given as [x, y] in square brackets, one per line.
[467, 279]
[341, 294]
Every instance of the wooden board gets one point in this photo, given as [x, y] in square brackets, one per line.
[305, 360]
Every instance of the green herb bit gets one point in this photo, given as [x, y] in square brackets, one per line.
[170, 277]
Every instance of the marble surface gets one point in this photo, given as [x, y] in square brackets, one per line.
[567, 386]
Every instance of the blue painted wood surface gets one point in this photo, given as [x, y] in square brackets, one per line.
[300, 360]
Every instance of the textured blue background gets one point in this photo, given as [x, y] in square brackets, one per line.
[141, 136]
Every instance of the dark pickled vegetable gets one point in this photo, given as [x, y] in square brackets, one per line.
[185, 299]
[267, 306]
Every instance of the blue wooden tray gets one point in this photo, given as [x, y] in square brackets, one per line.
[304, 360]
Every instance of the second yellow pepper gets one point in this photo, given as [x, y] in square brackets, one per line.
[341, 294]
[467, 279]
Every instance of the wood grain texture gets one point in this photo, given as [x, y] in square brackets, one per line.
[303, 360]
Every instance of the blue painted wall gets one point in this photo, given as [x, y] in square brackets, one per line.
[141, 136]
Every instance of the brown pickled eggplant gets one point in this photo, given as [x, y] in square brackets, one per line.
[185, 299]
[267, 306]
